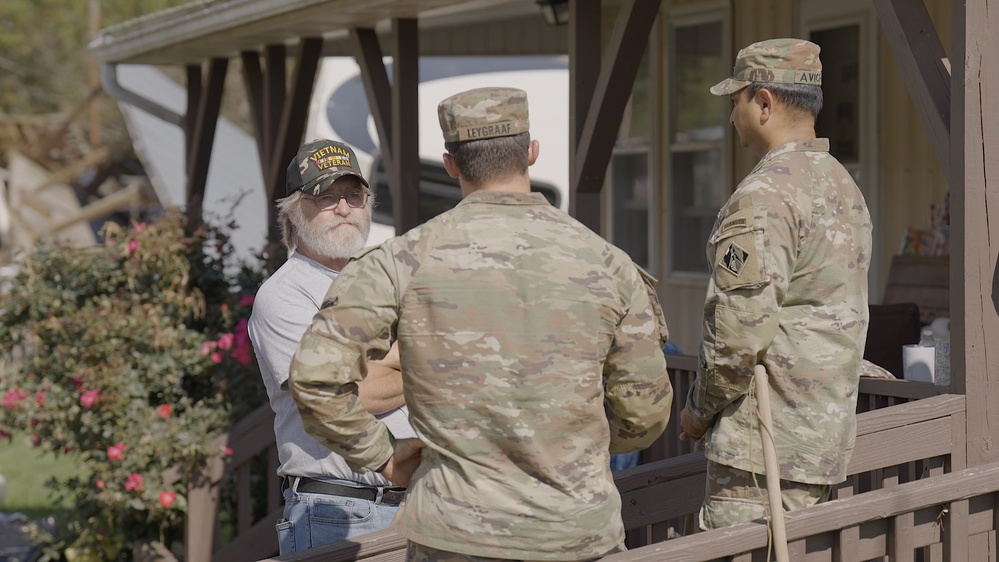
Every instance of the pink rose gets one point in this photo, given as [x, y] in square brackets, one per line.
[225, 341]
[164, 411]
[89, 398]
[133, 245]
[140, 227]
[168, 498]
[242, 354]
[227, 451]
[14, 398]
[134, 482]
[246, 300]
[216, 357]
[100, 484]
[207, 347]
[116, 451]
[40, 397]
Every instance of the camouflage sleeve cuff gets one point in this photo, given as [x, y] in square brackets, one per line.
[696, 413]
[323, 374]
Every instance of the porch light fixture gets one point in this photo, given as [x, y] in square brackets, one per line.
[556, 12]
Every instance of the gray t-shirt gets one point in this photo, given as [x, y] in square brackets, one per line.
[284, 307]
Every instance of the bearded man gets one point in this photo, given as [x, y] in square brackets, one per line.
[324, 218]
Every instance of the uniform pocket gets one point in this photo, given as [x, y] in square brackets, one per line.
[739, 248]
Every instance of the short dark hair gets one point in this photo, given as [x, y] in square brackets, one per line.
[805, 97]
[488, 160]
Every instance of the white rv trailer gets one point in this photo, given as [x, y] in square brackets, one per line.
[339, 110]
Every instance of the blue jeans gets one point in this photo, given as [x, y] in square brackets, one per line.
[316, 519]
[624, 460]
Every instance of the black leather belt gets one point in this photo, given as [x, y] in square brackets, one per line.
[390, 495]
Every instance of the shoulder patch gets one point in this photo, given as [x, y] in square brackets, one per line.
[738, 248]
[735, 258]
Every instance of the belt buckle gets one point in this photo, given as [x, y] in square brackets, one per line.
[393, 496]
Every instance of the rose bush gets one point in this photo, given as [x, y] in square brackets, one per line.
[134, 356]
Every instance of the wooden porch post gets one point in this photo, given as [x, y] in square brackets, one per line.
[597, 128]
[584, 69]
[404, 178]
[920, 55]
[278, 112]
[395, 109]
[199, 133]
[974, 209]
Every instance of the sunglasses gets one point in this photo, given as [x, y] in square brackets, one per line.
[354, 199]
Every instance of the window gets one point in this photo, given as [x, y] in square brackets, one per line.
[839, 120]
[698, 131]
[439, 192]
[631, 194]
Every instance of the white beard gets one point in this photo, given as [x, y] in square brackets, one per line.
[328, 239]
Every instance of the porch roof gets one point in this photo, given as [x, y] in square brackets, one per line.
[205, 29]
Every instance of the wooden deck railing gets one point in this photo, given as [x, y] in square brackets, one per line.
[245, 490]
[923, 440]
[947, 517]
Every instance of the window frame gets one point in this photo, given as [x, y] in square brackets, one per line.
[689, 16]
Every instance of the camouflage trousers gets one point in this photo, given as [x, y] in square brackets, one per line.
[734, 496]
[421, 553]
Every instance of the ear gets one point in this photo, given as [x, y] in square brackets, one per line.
[533, 151]
[765, 100]
[450, 165]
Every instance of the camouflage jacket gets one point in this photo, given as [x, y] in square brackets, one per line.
[531, 351]
[789, 256]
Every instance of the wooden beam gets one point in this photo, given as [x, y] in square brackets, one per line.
[617, 75]
[295, 110]
[194, 88]
[584, 70]
[253, 84]
[275, 84]
[284, 123]
[974, 208]
[129, 195]
[199, 149]
[925, 69]
[67, 175]
[368, 55]
[404, 178]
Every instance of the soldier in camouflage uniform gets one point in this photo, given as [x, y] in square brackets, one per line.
[789, 255]
[531, 351]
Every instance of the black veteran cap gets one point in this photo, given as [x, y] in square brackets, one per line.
[483, 113]
[321, 160]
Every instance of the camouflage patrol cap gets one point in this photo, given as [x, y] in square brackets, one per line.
[787, 61]
[321, 160]
[483, 113]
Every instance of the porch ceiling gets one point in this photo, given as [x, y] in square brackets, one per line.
[206, 29]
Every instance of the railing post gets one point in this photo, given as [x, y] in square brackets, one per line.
[202, 505]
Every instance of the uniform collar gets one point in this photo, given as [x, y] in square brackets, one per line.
[504, 198]
[798, 145]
